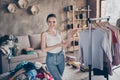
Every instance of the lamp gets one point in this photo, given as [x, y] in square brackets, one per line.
[34, 9]
[11, 7]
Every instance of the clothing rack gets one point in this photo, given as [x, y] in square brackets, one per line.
[90, 41]
[89, 21]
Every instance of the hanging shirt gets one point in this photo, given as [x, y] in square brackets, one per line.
[53, 40]
[116, 56]
[100, 45]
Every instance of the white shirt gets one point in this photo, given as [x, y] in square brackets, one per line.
[53, 40]
[100, 45]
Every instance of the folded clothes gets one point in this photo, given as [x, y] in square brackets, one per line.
[28, 51]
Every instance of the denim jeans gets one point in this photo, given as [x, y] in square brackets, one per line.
[56, 64]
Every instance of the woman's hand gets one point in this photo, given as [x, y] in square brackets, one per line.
[64, 44]
[72, 32]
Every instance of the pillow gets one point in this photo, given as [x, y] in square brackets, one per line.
[35, 41]
[23, 42]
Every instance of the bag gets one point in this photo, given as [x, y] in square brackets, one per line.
[84, 68]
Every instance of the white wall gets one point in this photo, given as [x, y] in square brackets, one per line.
[111, 8]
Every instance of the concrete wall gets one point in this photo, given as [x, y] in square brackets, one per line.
[93, 8]
[23, 22]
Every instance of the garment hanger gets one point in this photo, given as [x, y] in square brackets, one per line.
[99, 24]
[95, 25]
[108, 25]
[92, 27]
[113, 26]
[103, 24]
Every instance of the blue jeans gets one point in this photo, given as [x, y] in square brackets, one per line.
[56, 64]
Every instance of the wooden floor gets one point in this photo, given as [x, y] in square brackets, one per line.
[75, 74]
[115, 76]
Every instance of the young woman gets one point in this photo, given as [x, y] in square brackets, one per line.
[53, 45]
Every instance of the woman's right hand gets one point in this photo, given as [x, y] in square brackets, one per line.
[73, 31]
[64, 44]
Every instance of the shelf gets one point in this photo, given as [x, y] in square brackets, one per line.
[76, 38]
[83, 10]
[70, 11]
[78, 10]
[77, 17]
[71, 20]
[81, 19]
[70, 48]
[76, 48]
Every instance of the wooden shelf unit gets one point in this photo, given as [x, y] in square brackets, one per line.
[77, 19]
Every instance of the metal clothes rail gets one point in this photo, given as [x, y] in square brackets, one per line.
[101, 18]
[90, 41]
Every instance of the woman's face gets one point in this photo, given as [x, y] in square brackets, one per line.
[52, 22]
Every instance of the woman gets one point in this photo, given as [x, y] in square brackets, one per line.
[53, 45]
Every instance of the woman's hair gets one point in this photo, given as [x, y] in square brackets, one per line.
[50, 15]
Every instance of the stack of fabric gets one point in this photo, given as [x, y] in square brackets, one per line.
[30, 71]
[28, 51]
